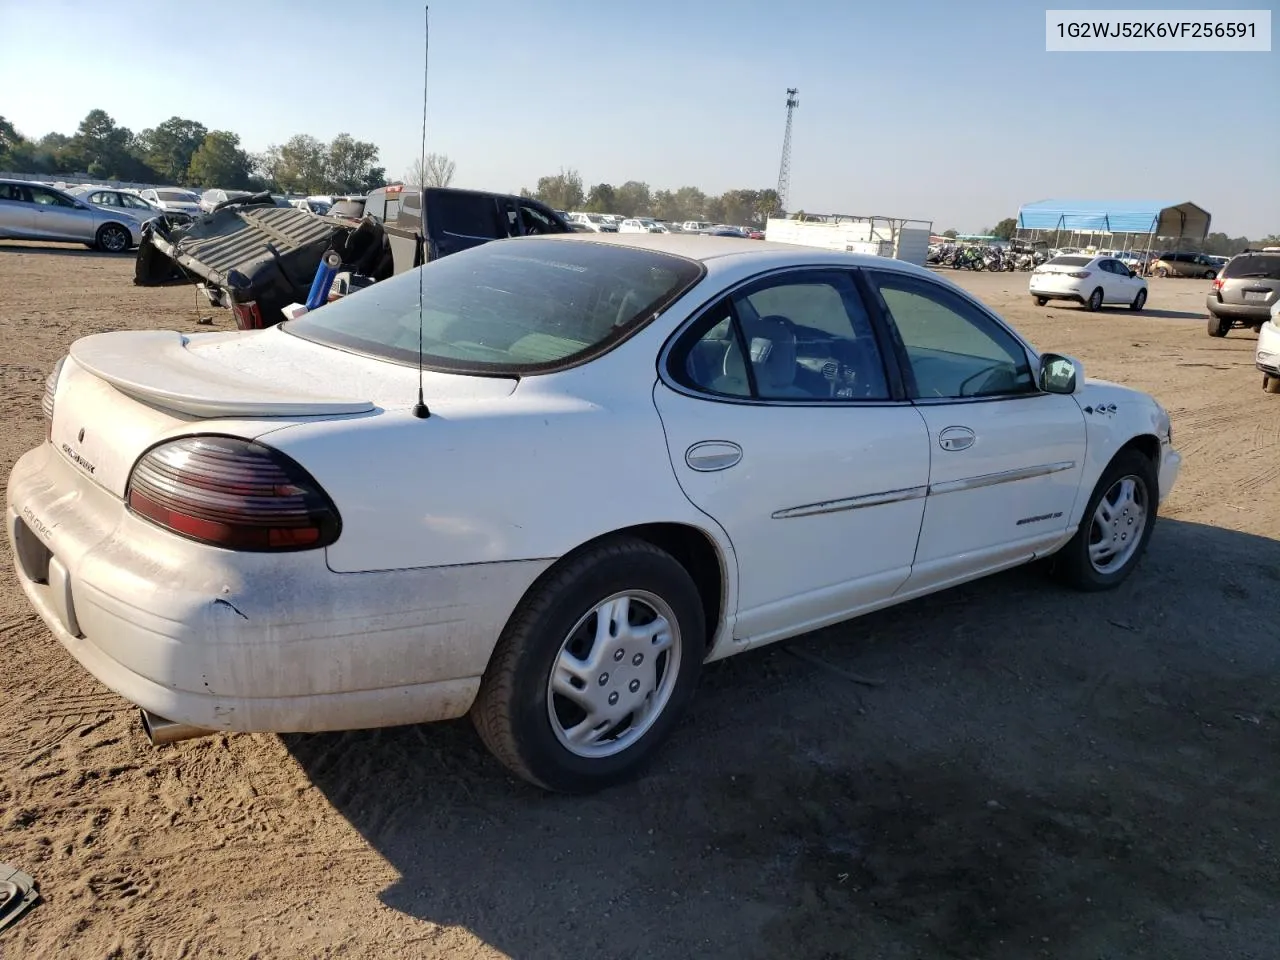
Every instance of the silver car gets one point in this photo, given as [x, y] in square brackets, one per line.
[34, 211]
[173, 200]
[126, 201]
[211, 198]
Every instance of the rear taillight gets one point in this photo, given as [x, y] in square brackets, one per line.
[1217, 284]
[50, 392]
[248, 316]
[1080, 275]
[232, 493]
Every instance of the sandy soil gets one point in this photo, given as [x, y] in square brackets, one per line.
[1042, 774]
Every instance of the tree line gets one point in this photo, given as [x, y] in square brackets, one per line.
[186, 153]
[634, 198]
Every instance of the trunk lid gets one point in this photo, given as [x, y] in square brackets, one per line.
[120, 393]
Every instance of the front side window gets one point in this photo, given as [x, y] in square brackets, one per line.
[535, 221]
[803, 337]
[955, 351]
[50, 198]
[506, 308]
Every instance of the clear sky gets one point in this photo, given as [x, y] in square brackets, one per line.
[948, 111]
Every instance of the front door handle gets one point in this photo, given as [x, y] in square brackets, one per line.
[708, 456]
[956, 438]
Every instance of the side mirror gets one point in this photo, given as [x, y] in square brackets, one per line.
[1059, 374]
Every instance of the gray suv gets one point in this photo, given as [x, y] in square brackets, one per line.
[35, 211]
[1245, 291]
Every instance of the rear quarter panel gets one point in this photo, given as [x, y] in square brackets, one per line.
[527, 477]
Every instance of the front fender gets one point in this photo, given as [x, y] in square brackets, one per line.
[1113, 416]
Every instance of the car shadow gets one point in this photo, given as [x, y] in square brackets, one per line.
[1173, 314]
[1016, 747]
[69, 250]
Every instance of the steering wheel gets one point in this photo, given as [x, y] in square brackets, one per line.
[990, 368]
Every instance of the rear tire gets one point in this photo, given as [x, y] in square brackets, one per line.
[1162, 272]
[1209, 274]
[1094, 303]
[530, 724]
[1041, 301]
[1218, 326]
[1139, 301]
[1073, 563]
[1270, 384]
[113, 238]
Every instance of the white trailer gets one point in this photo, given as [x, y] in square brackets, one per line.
[879, 236]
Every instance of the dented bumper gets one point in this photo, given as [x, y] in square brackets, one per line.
[242, 641]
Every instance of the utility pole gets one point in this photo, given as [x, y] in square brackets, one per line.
[784, 168]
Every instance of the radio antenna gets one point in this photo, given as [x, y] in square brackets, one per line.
[420, 408]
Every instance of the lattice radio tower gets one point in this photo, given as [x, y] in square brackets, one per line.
[784, 168]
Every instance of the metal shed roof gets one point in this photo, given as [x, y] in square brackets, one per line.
[1161, 217]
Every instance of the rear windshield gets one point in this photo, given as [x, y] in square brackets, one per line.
[506, 307]
[348, 208]
[175, 196]
[1263, 265]
[1069, 261]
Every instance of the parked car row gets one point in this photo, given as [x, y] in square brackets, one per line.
[582, 222]
[37, 211]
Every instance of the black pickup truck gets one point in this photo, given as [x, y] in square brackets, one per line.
[257, 258]
[433, 222]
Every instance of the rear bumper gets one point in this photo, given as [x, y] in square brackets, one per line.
[233, 641]
[1245, 313]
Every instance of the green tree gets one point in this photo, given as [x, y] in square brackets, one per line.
[349, 162]
[602, 198]
[952, 233]
[100, 146]
[1005, 228]
[168, 147]
[299, 166]
[563, 191]
[374, 178]
[219, 162]
[633, 199]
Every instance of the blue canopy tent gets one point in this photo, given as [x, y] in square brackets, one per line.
[1137, 220]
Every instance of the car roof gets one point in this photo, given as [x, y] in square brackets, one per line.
[704, 248]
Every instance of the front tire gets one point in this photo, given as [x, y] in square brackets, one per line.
[594, 668]
[1139, 301]
[1115, 528]
[1094, 303]
[1270, 384]
[1218, 326]
[113, 238]
[1041, 301]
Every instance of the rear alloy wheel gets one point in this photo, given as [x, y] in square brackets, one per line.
[1094, 303]
[1162, 272]
[1218, 326]
[1209, 274]
[113, 239]
[594, 668]
[1139, 301]
[1270, 384]
[1115, 528]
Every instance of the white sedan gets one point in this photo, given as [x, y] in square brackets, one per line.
[1092, 281]
[1267, 354]
[550, 483]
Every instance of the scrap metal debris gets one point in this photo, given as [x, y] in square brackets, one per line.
[18, 894]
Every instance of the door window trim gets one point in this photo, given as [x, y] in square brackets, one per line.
[877, 304]
[897, 392]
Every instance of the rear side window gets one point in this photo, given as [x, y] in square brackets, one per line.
[468, 214]
[1264, 266]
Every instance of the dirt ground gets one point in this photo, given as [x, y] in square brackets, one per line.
[1041, 774]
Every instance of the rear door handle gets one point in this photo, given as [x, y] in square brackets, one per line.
[956, 438]
[708, 456]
